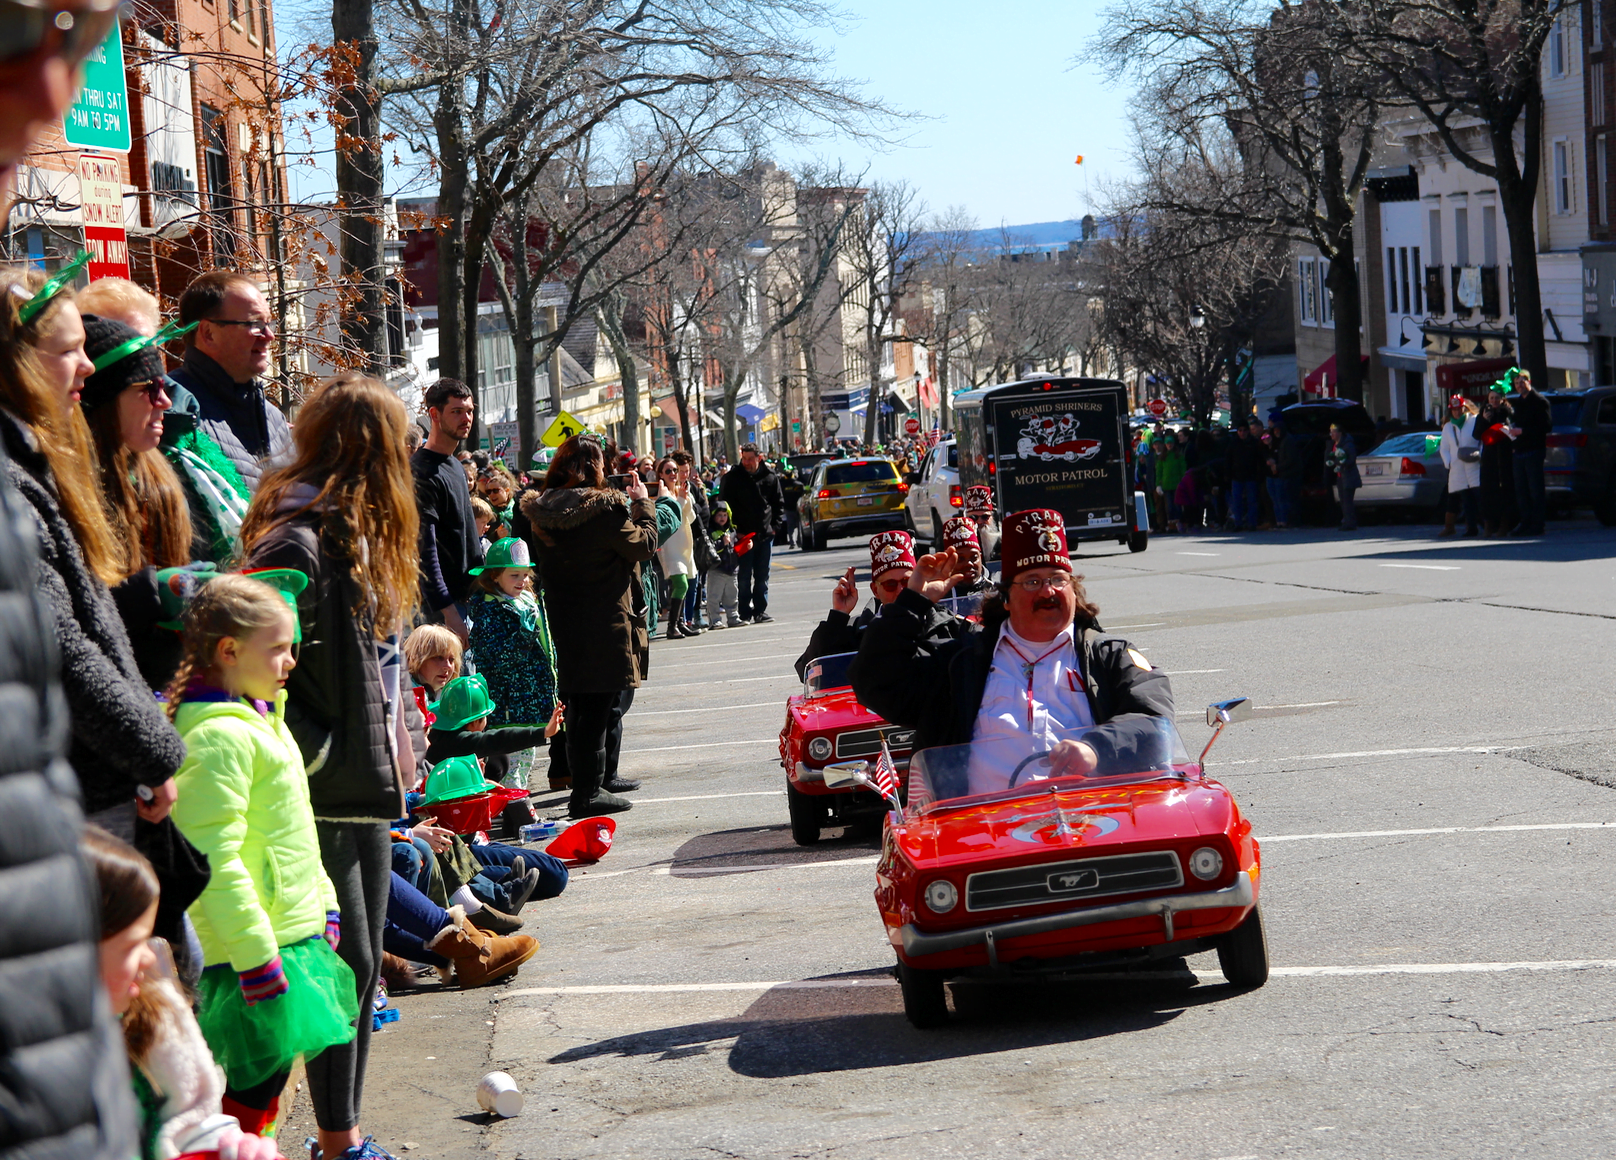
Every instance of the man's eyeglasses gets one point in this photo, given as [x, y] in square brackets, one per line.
[891, 585]
[70, 33]
[1060, 581]
[155, 390]
[255, 327]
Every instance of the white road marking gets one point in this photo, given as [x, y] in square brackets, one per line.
[792, 677]
[1371, 753]
[1192, 672]
[713, 709]
[673, 664]
[1301, 705]
[1120, 627]
[1204, 976]
[703, 745]
[1438, 830]
[1198, 553]
[706, 797]
[1426, 567]
[869, 861]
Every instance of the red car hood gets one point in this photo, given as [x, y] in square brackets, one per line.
[1068, 820]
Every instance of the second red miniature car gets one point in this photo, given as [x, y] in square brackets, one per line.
[827, 729]
[1027, 872]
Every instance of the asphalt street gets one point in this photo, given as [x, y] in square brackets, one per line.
[1429, 771]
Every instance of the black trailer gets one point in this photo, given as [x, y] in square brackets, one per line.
[1058, 443]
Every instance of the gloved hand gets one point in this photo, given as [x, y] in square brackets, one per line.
[333, 928]
[261, 984]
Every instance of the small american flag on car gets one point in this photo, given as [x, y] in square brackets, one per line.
[886, 774]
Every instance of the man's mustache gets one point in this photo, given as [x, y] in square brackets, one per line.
[1044, 603]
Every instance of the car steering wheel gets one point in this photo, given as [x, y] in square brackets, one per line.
[1026, 761]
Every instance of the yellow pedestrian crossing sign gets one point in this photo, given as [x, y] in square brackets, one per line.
[562, 428]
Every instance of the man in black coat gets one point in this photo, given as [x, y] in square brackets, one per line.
[450, 547]
[1038, 675]
[757, 506]
[1533, 420]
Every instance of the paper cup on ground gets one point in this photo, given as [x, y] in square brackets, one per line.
[497, 1093]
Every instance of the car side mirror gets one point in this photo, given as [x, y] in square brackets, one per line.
[845, 773]
[1228, 712]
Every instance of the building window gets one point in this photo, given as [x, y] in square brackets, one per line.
[1596, 23]
[1601, 180]
[216, 156]
[1461, 236]
[1562, 177]
[1419, 305]
[1557, 54]
[1308, 290]
[1489, 235]
[1326, 300]
[1596, 92]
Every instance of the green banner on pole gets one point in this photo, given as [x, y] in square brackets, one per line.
[99, 119]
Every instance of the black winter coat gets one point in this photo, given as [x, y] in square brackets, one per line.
[335, 706]
[64, 1083]
[120, 737]
[590, 542]
[937, 691]
[756, 503]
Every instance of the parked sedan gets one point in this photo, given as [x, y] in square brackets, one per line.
[1404, 472]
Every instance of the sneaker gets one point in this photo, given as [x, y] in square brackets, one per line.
[718, 624]
[762, 618]
[620, 785]
[734, 622]
[495, 921]
[368, 1150]
[601, 803]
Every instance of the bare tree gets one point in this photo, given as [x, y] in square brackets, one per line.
[943, 263]
[1279, 120]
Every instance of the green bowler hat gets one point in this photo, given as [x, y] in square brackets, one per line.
[463, 700]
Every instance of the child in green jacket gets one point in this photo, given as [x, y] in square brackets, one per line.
[272, 986]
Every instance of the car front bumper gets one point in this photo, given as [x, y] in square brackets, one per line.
[917, 943]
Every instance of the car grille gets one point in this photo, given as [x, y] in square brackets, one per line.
[867, 742]
[1086, 878]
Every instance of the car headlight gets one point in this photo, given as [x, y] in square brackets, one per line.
[819, 748]
[942, 896]
[1206, 863]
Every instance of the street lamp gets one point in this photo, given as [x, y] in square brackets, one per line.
[920, 403]
[1197, 317]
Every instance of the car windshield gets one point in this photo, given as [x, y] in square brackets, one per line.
[964, 607]
[1567, 410]
[827, 673]
[1409, 443]
[952, 776]
[862, 471]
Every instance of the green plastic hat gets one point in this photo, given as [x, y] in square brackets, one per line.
[511, 552]
[289, 582]
[177, 586]
[453, 778]
[463, 700]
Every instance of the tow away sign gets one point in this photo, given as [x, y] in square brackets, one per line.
[101, 199]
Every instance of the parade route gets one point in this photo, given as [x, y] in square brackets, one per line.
[1429, 772]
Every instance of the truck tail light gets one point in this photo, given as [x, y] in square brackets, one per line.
[955, 499]
[1409, 467]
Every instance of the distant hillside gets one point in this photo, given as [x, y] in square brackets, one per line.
[1036, 235]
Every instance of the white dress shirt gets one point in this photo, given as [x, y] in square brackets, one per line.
[1034, 698]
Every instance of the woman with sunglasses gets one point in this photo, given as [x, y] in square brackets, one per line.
[123, 402]
[678, 552]
[123, 749]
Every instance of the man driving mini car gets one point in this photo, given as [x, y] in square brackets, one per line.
[1037, 675]
[892, 560]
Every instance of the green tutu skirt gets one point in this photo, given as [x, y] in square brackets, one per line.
[253, 1044]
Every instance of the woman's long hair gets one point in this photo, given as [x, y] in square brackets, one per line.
[579, 462]
[348, 446]
[65, 443]
[144, 500]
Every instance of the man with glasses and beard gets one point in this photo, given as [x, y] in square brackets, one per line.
[1038, 674]
[226, 358]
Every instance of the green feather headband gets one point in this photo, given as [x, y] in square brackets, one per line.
[58, 282]
[141, 341]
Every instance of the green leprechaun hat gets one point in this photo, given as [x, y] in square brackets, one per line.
[511, 552]
[463, 700]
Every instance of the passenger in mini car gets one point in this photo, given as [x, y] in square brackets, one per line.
[1039, 674]
[892, 559]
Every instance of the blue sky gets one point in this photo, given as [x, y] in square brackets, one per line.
[1004, 110]
[1009, 112]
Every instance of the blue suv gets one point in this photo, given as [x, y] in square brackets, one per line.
[1580, 467]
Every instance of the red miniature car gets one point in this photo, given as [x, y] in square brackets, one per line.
[1025, 872]
[826, 728]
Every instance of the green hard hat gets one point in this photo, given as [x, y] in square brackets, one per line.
[453, 778]
[463, 700]
[510, 552]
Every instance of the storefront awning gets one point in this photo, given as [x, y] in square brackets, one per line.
[1324, 379]
[749, 414]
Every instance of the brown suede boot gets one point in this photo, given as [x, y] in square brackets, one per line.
[479, 957]
[1449, 528]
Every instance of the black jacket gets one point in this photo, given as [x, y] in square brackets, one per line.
[237, 416]
[1534, 417]
[755, 501]
[335, 707]
[442, 744]
[449, 543]
[64, 1085]
[120, 737]
[937, 690]
[837, 633]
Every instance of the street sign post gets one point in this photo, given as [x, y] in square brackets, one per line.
[101, 202]
[562, 428]
[1158, 407]
[502, 440]
[911, 426]
[99, 119]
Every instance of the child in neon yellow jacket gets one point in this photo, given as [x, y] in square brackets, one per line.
[272, 986]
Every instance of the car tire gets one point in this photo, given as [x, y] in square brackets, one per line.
[1243, 952]
[819, 539]
[807, 816]
[925, 1001]
[1138, 541]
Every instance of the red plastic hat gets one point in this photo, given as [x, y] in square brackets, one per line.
[959, 531]
[890, 550]
[583, 843]
[1035, 538]
[1456, 400]
[978, 500]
